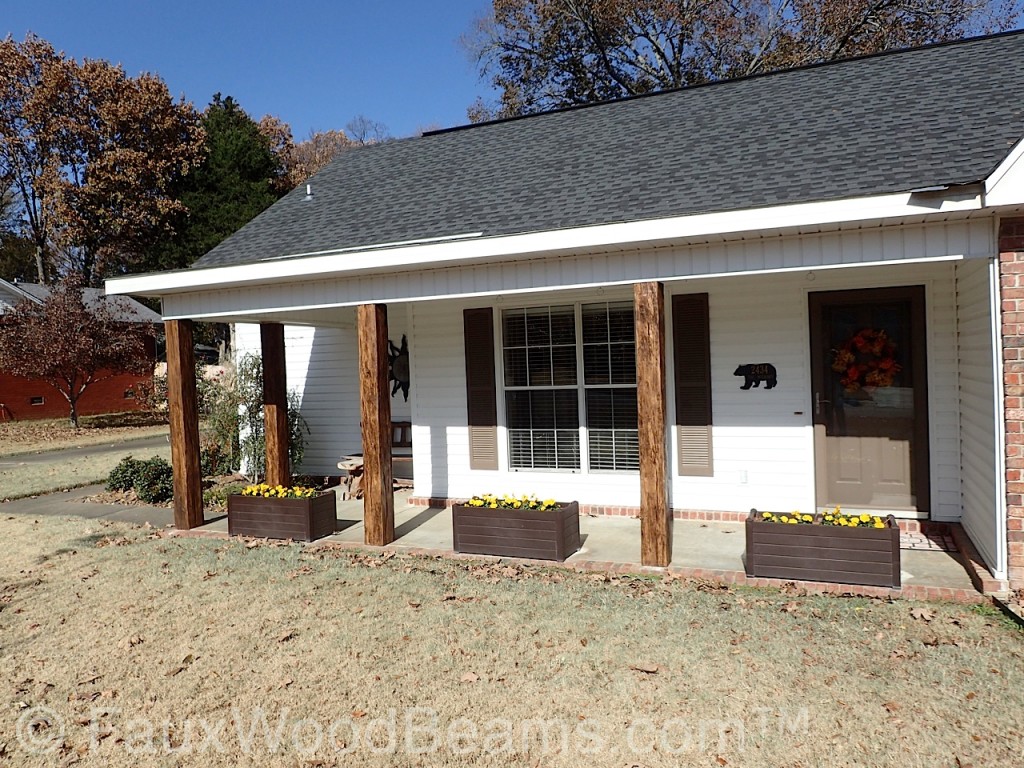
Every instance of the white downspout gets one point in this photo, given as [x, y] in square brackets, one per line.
[1000, 569]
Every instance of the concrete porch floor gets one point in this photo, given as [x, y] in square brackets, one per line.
[700, 549]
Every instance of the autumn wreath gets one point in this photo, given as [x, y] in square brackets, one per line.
[868, 358]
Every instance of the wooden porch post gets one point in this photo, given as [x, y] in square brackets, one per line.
[275, 404]
[184, 415]
[375, 406]
[655, 515]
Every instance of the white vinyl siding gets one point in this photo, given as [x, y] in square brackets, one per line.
[978, 411]
[323, 369]
[763, 439]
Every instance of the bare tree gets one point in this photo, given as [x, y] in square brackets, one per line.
[363, 130]
[545, 54]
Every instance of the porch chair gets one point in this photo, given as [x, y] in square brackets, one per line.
[401, 462]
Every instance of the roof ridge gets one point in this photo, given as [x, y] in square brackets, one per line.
[728, 81]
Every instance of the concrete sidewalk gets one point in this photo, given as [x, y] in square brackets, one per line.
[71, 503]
[704, 550]
[711, 550]
[122, 446]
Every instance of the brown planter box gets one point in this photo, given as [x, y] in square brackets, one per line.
[868, 556]
[300, 519]
[551, 535]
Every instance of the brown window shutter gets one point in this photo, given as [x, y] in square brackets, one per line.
[481, 400]
[691, 335]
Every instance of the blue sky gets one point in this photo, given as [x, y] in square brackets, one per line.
[316, 64]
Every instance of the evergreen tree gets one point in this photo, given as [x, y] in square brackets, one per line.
[238, 179]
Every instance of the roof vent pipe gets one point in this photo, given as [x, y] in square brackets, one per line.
[309, 192]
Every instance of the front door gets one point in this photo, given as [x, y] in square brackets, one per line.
[870, 402]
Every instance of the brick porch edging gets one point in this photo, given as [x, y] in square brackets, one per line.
[701, 515]
[730, 578]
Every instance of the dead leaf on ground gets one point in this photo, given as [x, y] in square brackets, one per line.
[88, 680]
[185, 664]
[721, 760]
[646, 667]
[790, 607]
[130, 642]
[922, 614]
[469, 677]
[891, 706]
[289, 635]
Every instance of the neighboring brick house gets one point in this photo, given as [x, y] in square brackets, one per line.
[24, 399]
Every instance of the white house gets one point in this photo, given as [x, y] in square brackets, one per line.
[786, 291]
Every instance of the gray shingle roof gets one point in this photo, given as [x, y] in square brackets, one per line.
[124, 308]
[944, 114]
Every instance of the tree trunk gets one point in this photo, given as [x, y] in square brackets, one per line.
[74, 412]
[40, 265]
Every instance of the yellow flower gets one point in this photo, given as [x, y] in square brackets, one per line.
[785, 518]
[793, 521]
[807, 518]
[864, 518]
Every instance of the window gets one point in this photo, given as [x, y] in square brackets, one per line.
[37, 400]
[541, 391]
[561, 362]
[609, 376]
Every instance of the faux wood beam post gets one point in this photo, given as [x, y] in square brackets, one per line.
[655, 515]
[275, 404]
[375, 407]
[184, 416]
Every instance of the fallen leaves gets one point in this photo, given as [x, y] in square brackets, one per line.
[185, 663]
[130, 642]
[646, 667]
[469, 677]
[113, 541]
[922, 614]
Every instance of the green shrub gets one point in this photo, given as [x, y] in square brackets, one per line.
[217, 498]
[125, 475]
[156, 481]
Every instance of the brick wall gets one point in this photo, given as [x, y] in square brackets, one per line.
[107, 396]
[1011, 280]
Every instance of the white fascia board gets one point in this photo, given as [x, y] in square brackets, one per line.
[1005, 186]
[700, 227]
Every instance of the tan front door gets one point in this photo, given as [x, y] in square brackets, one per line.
[870, 402]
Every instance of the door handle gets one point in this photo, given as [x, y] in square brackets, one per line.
[817, 403]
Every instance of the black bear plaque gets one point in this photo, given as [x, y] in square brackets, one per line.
[754, 373]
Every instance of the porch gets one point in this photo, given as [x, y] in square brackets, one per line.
[758, 445]
[706, 550]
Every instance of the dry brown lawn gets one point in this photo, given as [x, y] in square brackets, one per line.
[31, 479]
[122, 647]
[19, 437]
